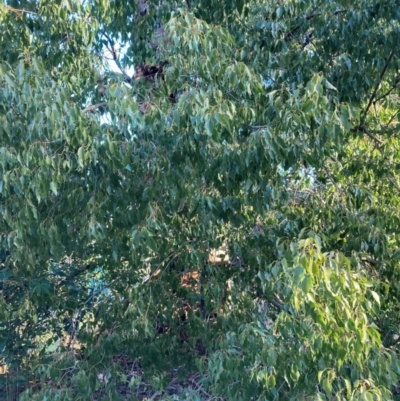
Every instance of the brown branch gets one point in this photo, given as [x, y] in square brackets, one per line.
[107, 36]
[93, 107]
[364, 130]
[308, 17]
[397, 80]
[74, 275]
[372, 136]
[391, 119]
[369, 260]
[114, 54]
[378, 142]
[372, 97]
[19, 10]
[112, 48]
[392, 180]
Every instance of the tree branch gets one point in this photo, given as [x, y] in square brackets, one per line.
[364, 130]
[372, 97]
[308, 17]
[393, 181]
[93, 107]
[256, 127]
[19, 10]
[337, 12]
[391, 119]
[74, 275]
[114, 54]
[396, 81]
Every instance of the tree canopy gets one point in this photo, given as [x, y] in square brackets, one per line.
[203, 189]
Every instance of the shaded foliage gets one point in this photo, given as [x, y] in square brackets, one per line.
[268, 130]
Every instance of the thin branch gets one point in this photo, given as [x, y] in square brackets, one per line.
[392, 343]
[397, 80]
[378, 84]
[258, 127]
[378, 142]
[393, 181]
[93, 107]
[364, 129]
[114, 54]
[74, 275]
[19, 11]
[165, 263]
[369, 260]
[308, 39]
[94, 292]
[112, 48]
[308, 17]
[372, 136]
[279, 305]
[391, 119]
[279, 389]
[337, 188]
[110, 41]
[337, 12]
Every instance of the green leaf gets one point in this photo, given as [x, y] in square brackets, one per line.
[307, 284]
[328, 85]
[375, 296]
[53, 187]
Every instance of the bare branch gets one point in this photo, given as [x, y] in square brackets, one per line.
[364, 129]
[391, 119]
[74, 274]
[308, 17]
[369, 260]
[258, 126]
[19, 10]
[308, 38]
[372, 136]
[396, 81]
[93, 107]
[114, 54]
[378, 84]
[393, 181]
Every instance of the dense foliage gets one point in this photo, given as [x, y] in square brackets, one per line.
[265, 128]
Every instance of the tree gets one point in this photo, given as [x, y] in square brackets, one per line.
[267, 129]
